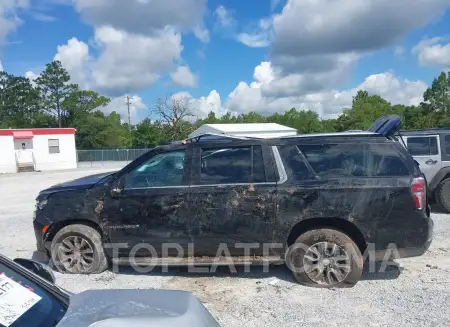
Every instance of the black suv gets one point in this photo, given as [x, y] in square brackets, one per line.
[322, 203]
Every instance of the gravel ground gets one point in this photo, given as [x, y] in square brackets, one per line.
[415, 292]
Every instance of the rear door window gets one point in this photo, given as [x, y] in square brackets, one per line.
[294, 163]
[422, 145]
[230, 165]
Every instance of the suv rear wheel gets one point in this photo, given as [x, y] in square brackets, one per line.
[443, 194]
[325, 258]
[78, 249]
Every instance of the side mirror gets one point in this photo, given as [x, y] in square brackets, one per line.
[40, 269]
[117, 187]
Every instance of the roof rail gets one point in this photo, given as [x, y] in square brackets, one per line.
[197, 138]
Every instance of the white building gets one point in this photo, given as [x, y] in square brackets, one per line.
[37, 149]
[266, 130]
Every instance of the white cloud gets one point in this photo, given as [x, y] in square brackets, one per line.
[433, 52]
[146, 58]
[258, 37]
[224, 17]
[32, 77]
[201, 33]
[329, 26]
[327, 103]
[9, 21]
[143, 16]
[1, 67]
[314, 44]
[43, 17]
[119, 105]
[115, 71]
[184, 77]
[253, 40]
[202, 106]
[74, 57]
[264, 73]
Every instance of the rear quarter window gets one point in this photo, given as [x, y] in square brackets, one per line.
[356, 160]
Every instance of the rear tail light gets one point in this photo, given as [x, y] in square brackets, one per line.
[418, 190]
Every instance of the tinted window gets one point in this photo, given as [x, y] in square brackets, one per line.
[47, 311]
[336, 160]
[447, 144]
[294, 164]
[422, 146]
[341, 160]
[386, 160]
[232, 165]
[164, 169]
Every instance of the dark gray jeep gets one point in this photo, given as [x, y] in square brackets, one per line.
[431, 149]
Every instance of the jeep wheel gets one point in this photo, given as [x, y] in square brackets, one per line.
[443, 194]
[78, 249]
[325, 258]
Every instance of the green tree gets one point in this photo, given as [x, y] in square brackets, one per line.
[19, 102]
[436, 102]
[80, 104]
[101, 131]
[54, 87]
[147, 134]
[174, 114]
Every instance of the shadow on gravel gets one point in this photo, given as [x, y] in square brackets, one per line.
[378, 271]
[436, 208]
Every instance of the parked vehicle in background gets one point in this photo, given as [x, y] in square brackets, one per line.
[431, 149]
[336, 195]
[29, 298]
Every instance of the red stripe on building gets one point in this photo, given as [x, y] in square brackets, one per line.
[38, 131]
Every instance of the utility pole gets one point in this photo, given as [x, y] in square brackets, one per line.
[129, 118]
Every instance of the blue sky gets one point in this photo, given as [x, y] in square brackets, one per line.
[237, 56]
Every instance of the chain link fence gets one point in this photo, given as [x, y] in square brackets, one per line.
[107, 157]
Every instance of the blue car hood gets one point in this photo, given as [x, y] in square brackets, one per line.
[77, 184]
[136, 308]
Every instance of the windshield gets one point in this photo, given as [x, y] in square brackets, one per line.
[23, 303]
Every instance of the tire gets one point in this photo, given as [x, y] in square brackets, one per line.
[90, 257]
[302, 256]
[443, 194]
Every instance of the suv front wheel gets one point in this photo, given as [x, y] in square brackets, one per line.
[78, 249]
[325, 258]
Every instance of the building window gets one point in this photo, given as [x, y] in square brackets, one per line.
[423, 146]
[53, 146]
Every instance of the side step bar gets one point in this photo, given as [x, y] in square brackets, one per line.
[198, 261]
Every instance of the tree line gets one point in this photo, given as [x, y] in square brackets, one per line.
[51, 100]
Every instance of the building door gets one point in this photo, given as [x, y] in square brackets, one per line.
[24, 151]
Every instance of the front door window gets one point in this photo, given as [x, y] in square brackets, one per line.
[164, 169]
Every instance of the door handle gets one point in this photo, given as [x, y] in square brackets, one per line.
[431, 162]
